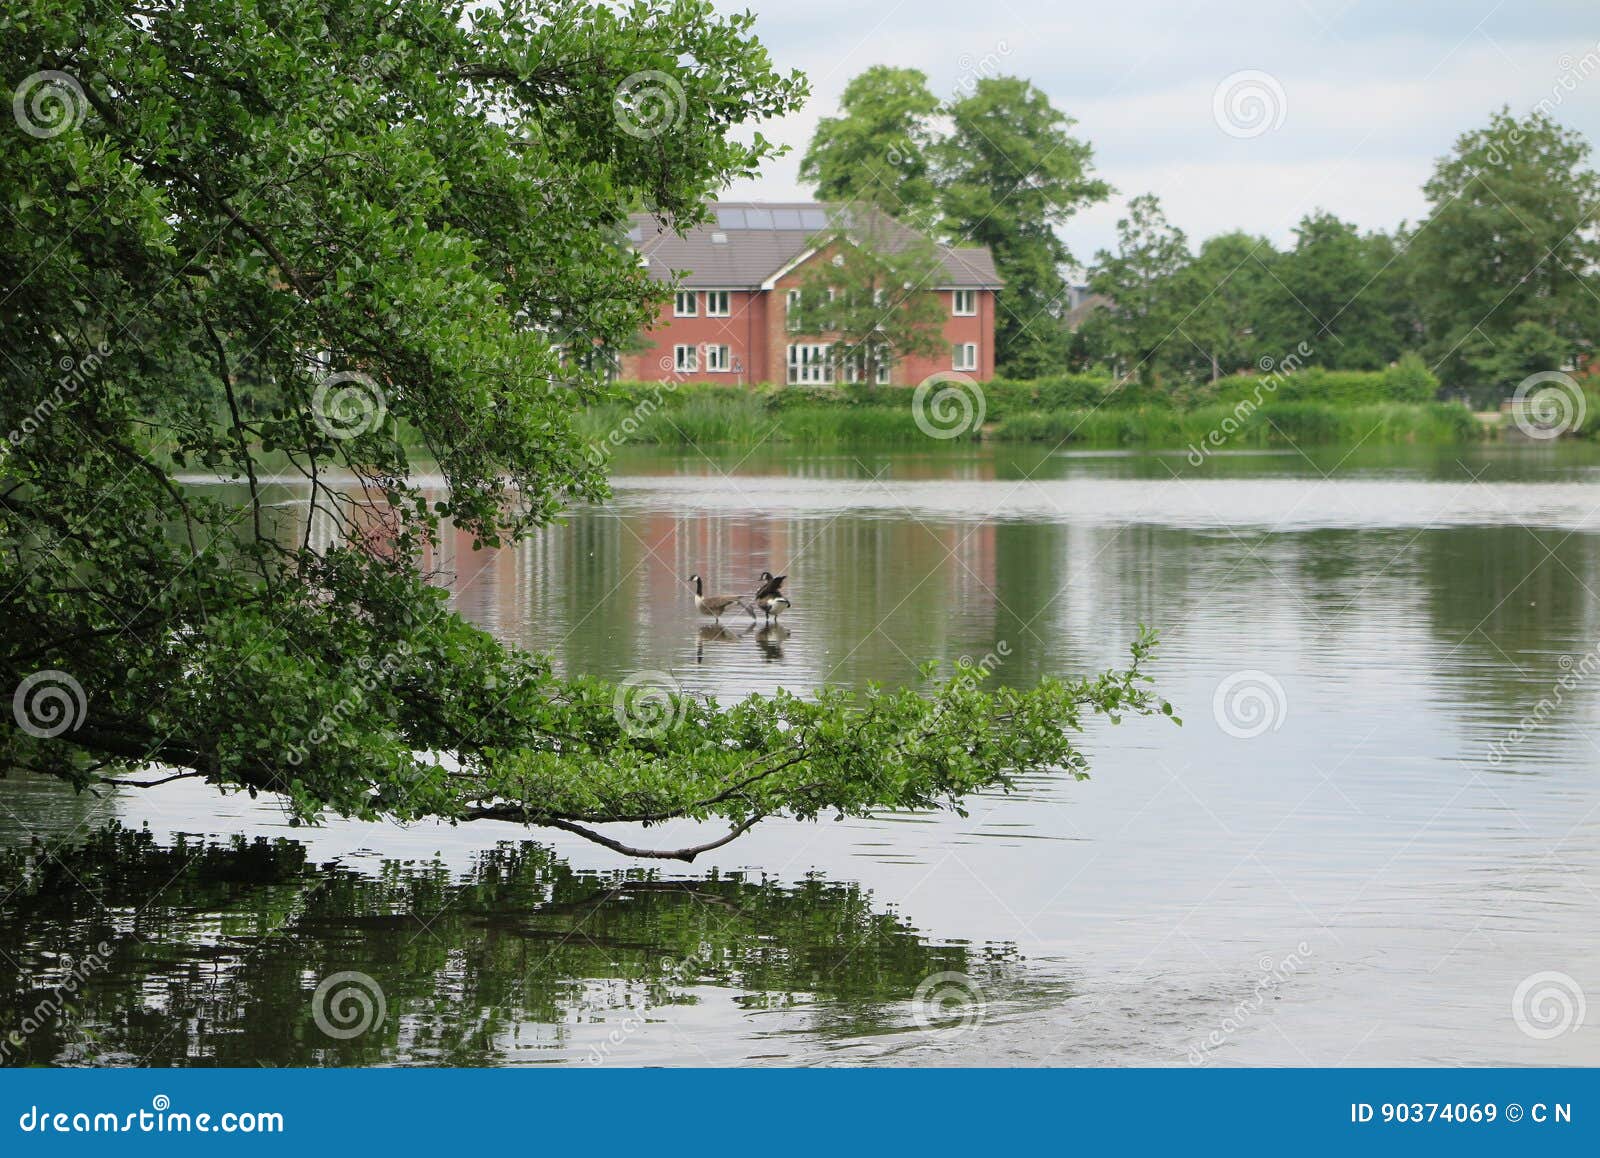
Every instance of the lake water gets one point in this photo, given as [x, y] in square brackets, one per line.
[1368, 843]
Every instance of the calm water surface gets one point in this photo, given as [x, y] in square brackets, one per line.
[1365, 836]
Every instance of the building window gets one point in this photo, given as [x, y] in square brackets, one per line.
[717, 304]
[684, 305]
[686, 359]
[966, 356]
[965, 303]
[791, 305]
[810, 364]
[716, 358]
[855, 365]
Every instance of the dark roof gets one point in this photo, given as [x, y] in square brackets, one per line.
[748, 241]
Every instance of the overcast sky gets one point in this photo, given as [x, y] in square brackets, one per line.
[1360, 97]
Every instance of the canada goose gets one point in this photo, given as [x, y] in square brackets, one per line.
[770, 597]
[715, 605]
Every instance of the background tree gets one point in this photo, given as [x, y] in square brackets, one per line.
[1142, 279]
[1511, 239]
[1220, 294]
[1331, 292]
[867, 292]
[875, 151]
[1010, 171]
[381, 217]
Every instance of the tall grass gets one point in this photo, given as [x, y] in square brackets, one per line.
[734, 416]
[1274, 424]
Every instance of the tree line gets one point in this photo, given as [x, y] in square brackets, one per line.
[1496, 281]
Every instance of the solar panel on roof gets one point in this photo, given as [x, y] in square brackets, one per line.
[813, 219]
[758, 219]
[786, 219]
[731, 218]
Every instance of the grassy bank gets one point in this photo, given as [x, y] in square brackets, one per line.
[1013, 412]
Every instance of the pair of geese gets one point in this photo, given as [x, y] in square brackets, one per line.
[769, 597]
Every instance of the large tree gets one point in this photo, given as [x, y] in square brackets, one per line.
[1511, 239]
[1010, 172]
[875, 151]
[1150, 299]
[395, 227]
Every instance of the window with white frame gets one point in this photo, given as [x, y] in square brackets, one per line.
[965, 303]
[685, 359]
[716, 358]
[718, 304]
[810, 364]
[966, 356]
[685, 304]
[855, 367]
[791, 308]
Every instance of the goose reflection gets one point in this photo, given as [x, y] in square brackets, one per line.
[716, 633]
[770, 640]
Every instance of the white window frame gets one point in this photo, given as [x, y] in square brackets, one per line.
[716, 299]
[686, 359]
[880, 374]
[692, 298]
[717, 359]
[810, 364]
[964, 356]
[791, 300]
[967, 296]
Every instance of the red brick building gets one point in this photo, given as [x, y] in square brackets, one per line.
[728, 323]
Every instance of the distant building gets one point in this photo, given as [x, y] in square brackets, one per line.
[728, 320]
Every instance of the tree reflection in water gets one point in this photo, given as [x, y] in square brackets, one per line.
[217, 950]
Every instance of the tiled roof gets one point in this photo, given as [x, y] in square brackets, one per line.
[749, 241]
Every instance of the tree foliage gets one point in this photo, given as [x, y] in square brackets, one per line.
[1510, 241]
[876, 151]
[867, 292]
[1005, 173]
[362, 230]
